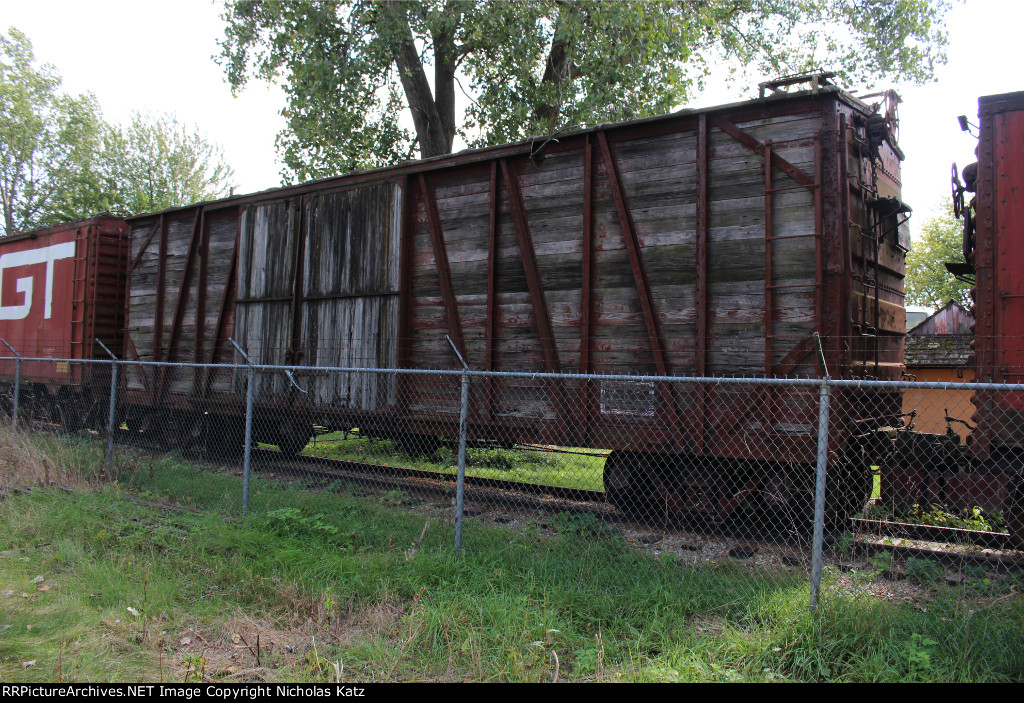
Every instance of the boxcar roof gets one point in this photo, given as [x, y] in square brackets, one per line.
[467, 156]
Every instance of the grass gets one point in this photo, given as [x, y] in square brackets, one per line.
[571, 468]
[330, 585]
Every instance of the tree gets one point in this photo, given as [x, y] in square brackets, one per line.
[154, 163]
[59, 160]
[48, 140]
[352, 67]
[927, 282]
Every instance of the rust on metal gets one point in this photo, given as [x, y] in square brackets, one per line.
[701, 284]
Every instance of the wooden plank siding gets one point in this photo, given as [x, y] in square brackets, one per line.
[713, 242]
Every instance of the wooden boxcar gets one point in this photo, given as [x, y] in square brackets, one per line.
[705, 242]
[61, 288]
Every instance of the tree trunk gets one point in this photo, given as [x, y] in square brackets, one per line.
[434, 120]
[558, 71]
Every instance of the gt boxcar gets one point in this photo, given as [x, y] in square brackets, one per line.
[60, 289]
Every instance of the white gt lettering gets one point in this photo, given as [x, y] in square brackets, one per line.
[46, 255]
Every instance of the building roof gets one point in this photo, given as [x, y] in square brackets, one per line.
[942, 340]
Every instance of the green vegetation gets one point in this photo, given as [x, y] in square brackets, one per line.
[581, 469]
[352, 69]
[965, 519]
[60, 161]
[928, 283]
[107, 583]
[973, 518]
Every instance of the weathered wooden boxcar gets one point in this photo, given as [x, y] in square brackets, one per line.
[705, 242]
[60, 289]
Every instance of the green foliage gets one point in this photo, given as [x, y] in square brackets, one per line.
[155, 163]
[965, 519]
[583, 526]
[59, 160]
[928, 283]
[844, 545]
[290, 522]
[352, 67]
[919, 655]
[922, 571]
[48, 141]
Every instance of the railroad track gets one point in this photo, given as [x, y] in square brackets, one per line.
[512, 494]
[947, 545]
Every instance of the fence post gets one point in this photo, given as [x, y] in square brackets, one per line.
[821, 470]
[460, 486]
[247, 463]
[111, 415]
[460, 481]
[17, 385]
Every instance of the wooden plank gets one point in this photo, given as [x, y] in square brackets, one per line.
[528, 256]
[754, 145]
[492, 294]
[635, 257]
[179, 306]
[443, 268]
[145, 244]
[701, 282]
[590, 407]
[632, 242]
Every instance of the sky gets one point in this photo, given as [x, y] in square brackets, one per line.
[155, 56]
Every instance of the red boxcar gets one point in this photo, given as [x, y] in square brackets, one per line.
[995, 253]
[60, 289]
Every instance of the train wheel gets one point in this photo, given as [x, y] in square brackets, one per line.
[849, 496]
[293, 436]
[630, 485]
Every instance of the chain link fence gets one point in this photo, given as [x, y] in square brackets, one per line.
[868, 494]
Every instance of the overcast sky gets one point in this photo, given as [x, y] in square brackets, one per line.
[155, 56]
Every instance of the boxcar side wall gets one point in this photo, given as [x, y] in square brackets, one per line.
[709, 243]
[182, 280]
